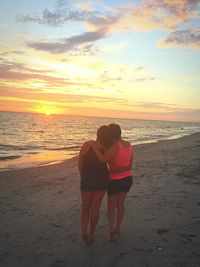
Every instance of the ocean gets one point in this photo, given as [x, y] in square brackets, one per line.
[28, 139]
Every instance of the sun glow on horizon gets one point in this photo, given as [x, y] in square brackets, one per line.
[48, 113]
[48, 110]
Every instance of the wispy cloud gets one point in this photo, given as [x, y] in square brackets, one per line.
[60, 3]
[188, 114]
[159, 106]
[12, 72]
[182, 38]
[168, 111]
[7, 65]
[75, 43]
[58, 17]
[120, 73]
[59, 98]
[192, 4]
[145, 79]
[85, 6]
[15, 52]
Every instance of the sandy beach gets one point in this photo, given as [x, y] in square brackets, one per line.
[40, 213]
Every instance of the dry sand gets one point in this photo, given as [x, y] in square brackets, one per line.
[40, 213]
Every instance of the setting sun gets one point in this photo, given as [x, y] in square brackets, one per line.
[48, 109]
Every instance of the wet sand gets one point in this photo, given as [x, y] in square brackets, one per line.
[40, 213]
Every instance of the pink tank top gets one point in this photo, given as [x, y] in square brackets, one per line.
[122, 158]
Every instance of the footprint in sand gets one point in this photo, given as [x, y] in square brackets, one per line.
[4, 255]
[188, 237]
[58, 263]
[55, 225]
[162, 231]
[60, 192]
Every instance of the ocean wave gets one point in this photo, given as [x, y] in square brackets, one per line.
[151, 137]
[9, 157]
[35, 131]
[14, 147]
[4, 147]
[64, 148]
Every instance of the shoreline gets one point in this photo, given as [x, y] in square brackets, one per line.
[40, 213]
[37, 164]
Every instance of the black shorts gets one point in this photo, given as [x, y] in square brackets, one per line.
[120, 185]
[94, 183]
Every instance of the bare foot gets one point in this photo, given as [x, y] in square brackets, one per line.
[113, 237]
[90, 238]
[85, 237]
[117, 231]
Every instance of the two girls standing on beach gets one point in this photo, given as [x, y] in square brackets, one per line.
[117, 179]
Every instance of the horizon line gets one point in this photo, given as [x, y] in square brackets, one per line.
[103, 117]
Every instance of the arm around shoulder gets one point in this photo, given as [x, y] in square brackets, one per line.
[110, 153]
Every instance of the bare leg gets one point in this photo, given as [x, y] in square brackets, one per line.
[95, 210]
[85, 212]
[120, 210]
[112, 205]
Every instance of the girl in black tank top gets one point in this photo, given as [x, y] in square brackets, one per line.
[94, 174]
[93, 184]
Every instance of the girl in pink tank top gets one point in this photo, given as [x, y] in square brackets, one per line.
[122, 158]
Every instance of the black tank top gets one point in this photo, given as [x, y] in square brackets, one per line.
[92, 166]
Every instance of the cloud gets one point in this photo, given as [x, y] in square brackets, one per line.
[159, 106]
[12, 72]
[6, 65]
[122, 73]
[75, 43]
[62, 99]
[106, 77]
[85, 50]
[109, 77]
[192, 4]
[145, 79]
[189, 113]
[182, 38]
[85, 6]
[15, 52]
[140, 68]
[58, 17]
[157, 110]
[60, 3]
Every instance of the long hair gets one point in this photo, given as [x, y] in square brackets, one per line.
[115, 131]
[104, 136]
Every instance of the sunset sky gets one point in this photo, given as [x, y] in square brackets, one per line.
[136, 59]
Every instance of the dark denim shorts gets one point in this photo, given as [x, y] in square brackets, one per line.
[120, 185]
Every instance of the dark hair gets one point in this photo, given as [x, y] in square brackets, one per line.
[115, 130]
[104, 136]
